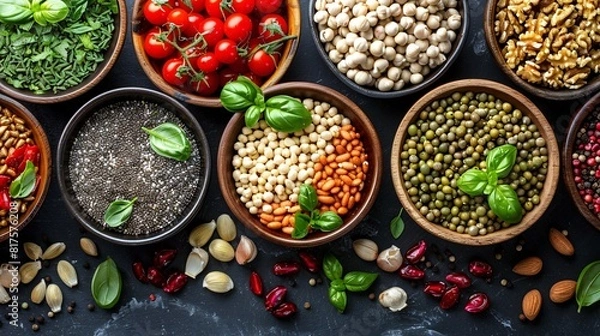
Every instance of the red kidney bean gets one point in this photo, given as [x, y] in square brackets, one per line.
[435, 288]
[5, 181]
[310, 262]
[286, 268]
[275, 297]
[460, 279]
[478, 302]
[411, 272]
[450, 297]
[16, 157]
[155, 276]
[32, 153]
[285, 310]
[163, 258]
[415, 253]
[4, 200]
[480, 269]
[139, 272]
[175, 282]
[256, 284]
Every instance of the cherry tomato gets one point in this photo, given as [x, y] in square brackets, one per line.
[174, 72]
[217, 8]
[192, 5]
[155, 46]
[268, 6]
[193, 21]
[212, 30]
[240, 65]
[207, 62]
[263, 63]
[226, 51]
[238, 27]
[208, 85]
[157, 11]
[272, 27]
[243, 6]
[193, 54]
[227, 75]
[179, 17]
[255, 78]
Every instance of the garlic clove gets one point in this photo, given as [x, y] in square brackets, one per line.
[196, 262]
[4, 296]
[390, 259]
[365, 249]
[32, 250]
[226, 227]
[221, 250]
[54, 251]
[67, 273]
[8, 273]
[246, 251]
[54, 298]
[38, 293]
[217, 282]
[88, 247]
[202, 234]
[393, 298]
[29, 270]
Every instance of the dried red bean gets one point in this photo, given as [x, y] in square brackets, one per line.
[415, 253]
[460, 279]
[286, 268]
[139, 272]
[163, 258]
[411, 272]
[275, 297]
[450, 298]
[310, 262]
[256, 284]
[155, 276]
[285, 310]
[175, 282]
[435, 288]
[478, 302]
[480, 269]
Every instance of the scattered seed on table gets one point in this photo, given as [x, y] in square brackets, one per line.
[35, 327]
[48, 279]
[307, 305]
[72, 304]
[428, 264]
[498, 256]
[522, 317]
[519, 248]
[565, 232]
[371, 296]
[31, 318]
[91, 307]
[24, 305]
[451, 258]
[50, 314]
[152, 297]
[40, 319]
[312, 282]
[70, 309]
[319, 280]
[86, 265]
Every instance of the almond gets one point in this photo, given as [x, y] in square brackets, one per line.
[532, 304]
[562, 291]
[528, 266]
[561, 243]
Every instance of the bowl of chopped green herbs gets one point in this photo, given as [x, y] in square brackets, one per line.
[55, 50]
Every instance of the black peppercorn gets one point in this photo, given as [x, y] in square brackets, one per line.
[91, 307]
[40, 319]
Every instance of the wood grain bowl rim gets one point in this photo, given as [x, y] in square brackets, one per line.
[368, 135]
[517, 100]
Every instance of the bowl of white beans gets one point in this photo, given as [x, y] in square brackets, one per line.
[260, 170]
[389, 48]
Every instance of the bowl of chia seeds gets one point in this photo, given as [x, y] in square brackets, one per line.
[120, 167]
[475, 162]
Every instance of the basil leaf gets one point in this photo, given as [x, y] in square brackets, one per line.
[286, 114]
[338, 299]
[106, 284]
[501, 160]
[473, 182]
[327, 221]
[492, 179]
[301, 224]
[397, 225]
[78, 7]
[170, 141]
[359, 281]
[118, 212]
[24, 184]
[338, 285]
[252, 115]
[307, 197]
[504, 202]
[332, 267]
[53, 11]
[15, 11]
[240, 94]
[587, 291]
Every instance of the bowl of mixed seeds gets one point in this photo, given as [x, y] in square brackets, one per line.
[134, 166]
[475, 162]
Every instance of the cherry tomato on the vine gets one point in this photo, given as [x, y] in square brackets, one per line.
[272, 27]
[242, 6]
[191, 5]
[207, 62]
[180, 18]
[193, 22]
[268, 6]
[155, 44]
[226, 51]
[217, 8]
[262, 63]
[240, 65]
[174, 71]
[206, 86]
[212, 30]
[238, 27]
[193, 54]
[157, 11]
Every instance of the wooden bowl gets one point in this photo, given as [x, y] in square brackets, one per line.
[507, 95]
[592, 86]
[140, 26]
[368, 136]
[567, 151]
[17, 224]
[110, 57]
[408, 89]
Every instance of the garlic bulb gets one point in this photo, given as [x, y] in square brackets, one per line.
[393, 298]
[390, 259]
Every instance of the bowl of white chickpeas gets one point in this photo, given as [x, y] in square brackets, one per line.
[389, 48]
[339, 154]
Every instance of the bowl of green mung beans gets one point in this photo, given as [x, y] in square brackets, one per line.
[53, 59]
[475, 162]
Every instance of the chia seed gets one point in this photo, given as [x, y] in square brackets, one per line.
[111, 159]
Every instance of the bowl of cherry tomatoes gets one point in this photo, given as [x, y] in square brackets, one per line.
[191, 48]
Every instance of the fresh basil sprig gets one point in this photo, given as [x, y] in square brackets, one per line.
[326, 222]
[282, 113]
[587, 291]
[118, 212]
[354, 281]
[42, 12]
[106, 284]
[170, 141]
[502, 199]
[24, 184]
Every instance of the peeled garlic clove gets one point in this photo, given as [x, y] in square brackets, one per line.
[67, 273]
[54, 251]
[246, 251]
[201, 234]
[217, 282]
[226, 227]
[196, 262]
[54, 298]
[393, 298]
[88, 247]
[4, 296]
[221, 250]
[29, 270]
[390, 259]
[38, 293]
[8, 274]
[365, 249]
[32, 250]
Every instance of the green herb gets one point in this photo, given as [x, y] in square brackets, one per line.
[118, 212]
[325, 222]
[353, 281]
[359, 281]
[49, 11]
[282, 113]
[307, 198]
[24, 184]
[339, 299]
[106, 284]
[397, 225]
[332, 267]
[301, 225]
[502, 199]
[15, 11]
[170, 141]
[587, 291]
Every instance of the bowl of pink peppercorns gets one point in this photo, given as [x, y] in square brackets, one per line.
[581, 160]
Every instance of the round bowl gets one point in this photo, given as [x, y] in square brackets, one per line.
[567, 151]
[110, 57]
[64, 153]
[372, 147]
[518, 101]
[592, 86]
[44, 168]
[434, 75]
[140, 26]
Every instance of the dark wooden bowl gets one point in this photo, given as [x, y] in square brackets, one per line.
[110, 57]
[44, 168]
[368, 136]
[140, 26]
[518, 101]
[496, 50]
[567, 151]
